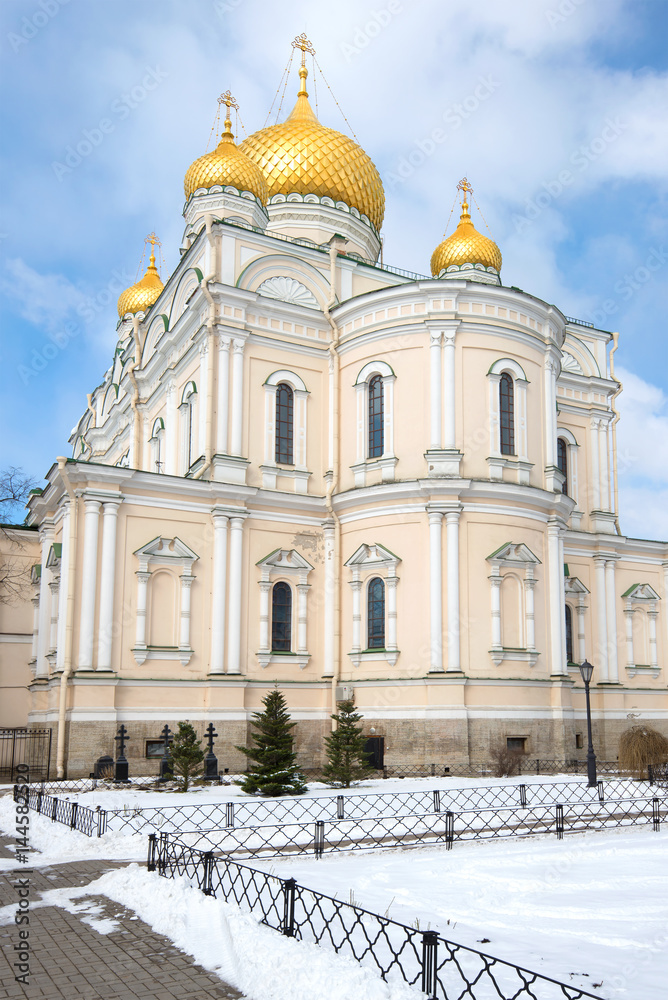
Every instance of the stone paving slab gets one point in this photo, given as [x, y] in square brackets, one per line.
[70, 960]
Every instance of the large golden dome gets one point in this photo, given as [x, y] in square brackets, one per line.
[465, 246]
[140, 297]
[227, 166]
[301, 155]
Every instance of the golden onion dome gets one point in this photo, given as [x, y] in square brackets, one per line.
[301, 155]
[227, 166]
[465, 246]
[140, 297]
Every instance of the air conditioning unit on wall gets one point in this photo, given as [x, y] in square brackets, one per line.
[345, 692]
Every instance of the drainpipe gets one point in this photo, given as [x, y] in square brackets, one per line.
[69, 621]
[134, 402]
[335, 244]
[210, 323]
[615, 419]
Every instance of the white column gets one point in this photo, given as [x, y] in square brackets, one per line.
[391, 590]
[42, 667]
[223, 405]
[562, 601]
[171, 430]
[35, 625]
[184, 631]
[202, 397]
[628, 616]
[302, 592]
[328, 659]
[436, 391]
[604, 458]
[452, 540]
[601, 618]
[495, 581]
[555, 576]
[611, 612]
[449, 394]
[236, 576]
[270, 392]
[580, 610]
[237, 396]
[436, 589]
[550, 392]
[595, 466]
[356, 585]
[218, 597]
[88, 584]
[265, 590]
[360, 402]
[142, 589]
[54, 584]
[64, 584]
[301, 402]
[521, 429]
[530, 609]
[388, 414]
[107, 585]
[653, 654]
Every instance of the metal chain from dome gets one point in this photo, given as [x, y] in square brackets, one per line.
[335, 100]
[284, 77]
[481, 215]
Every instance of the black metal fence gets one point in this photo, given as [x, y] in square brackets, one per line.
[24, 748]
[91, 822]
[442, 969]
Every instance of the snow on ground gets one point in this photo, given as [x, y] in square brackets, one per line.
[590, 909]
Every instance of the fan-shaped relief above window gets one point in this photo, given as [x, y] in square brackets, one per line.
[570, 364]
[288, 290]
[164, 581]
[577, 359]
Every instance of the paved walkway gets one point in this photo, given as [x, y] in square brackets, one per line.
[72, 961]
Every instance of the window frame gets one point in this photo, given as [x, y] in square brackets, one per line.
[371, 617]
[281, 587]
[284, 420]
[507, 437]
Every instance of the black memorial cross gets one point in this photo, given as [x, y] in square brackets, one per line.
[166, 765]
[210, 759]
[121, 767]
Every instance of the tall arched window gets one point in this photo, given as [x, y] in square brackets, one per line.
[562, 462]
[376, 614]
[375, 412]
[507, 414]
[284, 424]
[569, 634]
[281, 618]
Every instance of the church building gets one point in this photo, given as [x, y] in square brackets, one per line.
[306, 468]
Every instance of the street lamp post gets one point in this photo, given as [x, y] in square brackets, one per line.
[586, 670]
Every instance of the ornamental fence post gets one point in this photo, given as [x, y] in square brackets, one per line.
[162, 853]
[656, 816]
[449, 829]
[54, 809]
[340, 808]
[601, 792]
[207, 879]
[523, 795]
[39, 802]
[229, 814]
[429, 963]
[319, 840]
[289, 888]
[437, 800]
[559, 816]
[150, 861]
[73, 816]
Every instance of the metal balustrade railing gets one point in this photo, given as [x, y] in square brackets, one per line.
[442, 969]
[91, 822]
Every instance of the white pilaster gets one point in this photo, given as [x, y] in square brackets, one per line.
[452, 541]
[529, 608]
[550, 392]
[581, 629]
[556, 602]
[495, 581]
[88, 584]
[628, 617]
[184, 629]
[302, 601]
[595, 465]
[171, 430]
[436, 589]
[449, 386]
[201, 435]
[356, 585]
[35, 626]
[265, 591]
[270, 392]
[388, 416]
[42, 666]
[611, 610]
[604, 458]
[236, 579]
[237, 396]
[653, 653]
[391, 591]
[601, 617]
[330, 580]
[218, 597]
[142, 590]
[223, 405]
[64, 585]
[436, 391]
[54, 586]
[107, 584]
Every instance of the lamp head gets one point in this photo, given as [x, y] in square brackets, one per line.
[586, 670]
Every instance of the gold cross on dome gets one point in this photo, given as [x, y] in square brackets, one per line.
[303, 43]
[465, 187]
[228, 101]
[154, 241]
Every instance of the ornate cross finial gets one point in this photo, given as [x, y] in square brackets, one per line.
[229, 102]
[465, 187]
[303, 43]
[154, 241]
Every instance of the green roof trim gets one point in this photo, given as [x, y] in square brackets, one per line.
[496, 551]
[200, 276]
[37, 492]
[58, 549]
[165, 320]
[566, 573]
[632, 587]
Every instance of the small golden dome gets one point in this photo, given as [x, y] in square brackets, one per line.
[301, 155]
[140, 297]
[466, 245]
[226, 165]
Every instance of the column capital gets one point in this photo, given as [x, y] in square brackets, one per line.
[238, 346]
[435, 338]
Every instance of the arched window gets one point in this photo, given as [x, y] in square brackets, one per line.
[569, 634]
[281, 618]
[284, 424]
[507, 414]
[562, 462]
[376, 614]
[375, 414]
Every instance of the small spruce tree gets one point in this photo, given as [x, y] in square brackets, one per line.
[273, 770]
[347, 760]
[187, 754]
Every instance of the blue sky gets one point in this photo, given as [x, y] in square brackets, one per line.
[554, 109]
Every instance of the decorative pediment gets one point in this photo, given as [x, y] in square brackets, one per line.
[514, 553]
[284, 562]
[54, 556]
[570, 364]
[641, 592]
[574, 586]
[372, 557]
[166, 551]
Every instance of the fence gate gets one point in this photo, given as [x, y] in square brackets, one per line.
[25, 746]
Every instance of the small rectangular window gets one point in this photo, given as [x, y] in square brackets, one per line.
[516, 743]
[579, 742]
[155, 748]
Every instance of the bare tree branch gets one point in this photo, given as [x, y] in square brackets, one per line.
[15, 487]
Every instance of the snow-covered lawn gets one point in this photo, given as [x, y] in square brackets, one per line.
[590, 910]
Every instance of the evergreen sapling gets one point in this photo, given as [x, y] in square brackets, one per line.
[347, 758]
[273, 769]
[187, 754]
